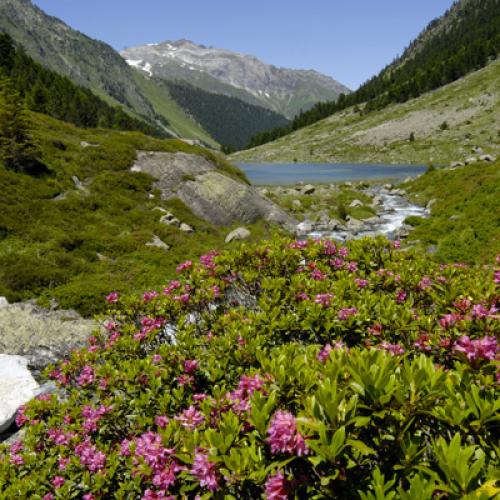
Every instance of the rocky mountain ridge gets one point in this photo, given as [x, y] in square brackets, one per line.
[281, 89]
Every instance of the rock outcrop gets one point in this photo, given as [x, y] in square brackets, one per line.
[39, 335]
[209, 193]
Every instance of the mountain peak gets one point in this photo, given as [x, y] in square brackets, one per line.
[280, 89]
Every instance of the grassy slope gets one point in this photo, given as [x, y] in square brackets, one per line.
[470, 107]
[78, 249]
[464, 223]
[164, 105]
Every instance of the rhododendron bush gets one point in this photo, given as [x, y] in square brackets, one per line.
[286, 370]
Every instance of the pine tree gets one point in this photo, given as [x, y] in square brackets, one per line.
[17, 150]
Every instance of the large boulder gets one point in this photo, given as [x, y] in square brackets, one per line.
[17, 387]
[40, 335]
[209, 193]
[240, 233]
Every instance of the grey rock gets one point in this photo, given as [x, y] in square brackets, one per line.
[212, 196]
[85, 144]
[240, 233]
[158, 243]
[470, 160]
[40, 335]
[407, 179]
[356, 203]
[78, 183]
[478, 150]
[170, 220]
[186, 228]
[308, 189]
[430, 203]
[456, 164]
[3, 302]
[18, 387]
[388, 187]
[297, 203]
[454, 217]
[487, 158]
[305, 227]
[377, 200]
[161, 209]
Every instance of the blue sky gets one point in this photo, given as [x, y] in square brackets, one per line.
[350, 40]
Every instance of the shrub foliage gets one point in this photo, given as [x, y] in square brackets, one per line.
[283, 370]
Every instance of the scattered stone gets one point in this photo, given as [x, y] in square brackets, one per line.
[308, 189]
[78, 183]
[151, 196]
[348, 184]
[408, 179]
[470, 160]
[17, 388]
[388, 187]
[297, 203]
[356, 203]
[454, 217]
[377, 200]
[160, 209]
[478, 150]
[85, 144]
[170, 220]
[304, 228]
[158, 243]
[430, 203]
[102, 257]
[456, 164]
[3, 302]
[186, 228]
[487, 158]
[240, 233]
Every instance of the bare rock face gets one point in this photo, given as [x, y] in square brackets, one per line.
[16, 388]
[209, 194]
[39, 335]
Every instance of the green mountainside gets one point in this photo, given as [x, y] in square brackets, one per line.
[236, 121]
[46, 91]
[463, 40]
[442, 126]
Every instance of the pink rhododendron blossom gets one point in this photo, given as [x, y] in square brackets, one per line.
[400, 296]
[16, 460]
[125, 448]
[173, 285]
[496, 277]
[396, 244]
[301, 296]
[277, 487]
[157, 358]
[63, 463]
[337, 263]
[324, 299]
[361, 283]
[376, 329]
[90, 456]
[58, 481]
[149, 296]
[184, 266]
[205, 471]
[394, 349]
[21, 418]
[423, 342]
[343, 251]
[190, 365]
[48, 496]
[185, 379]
[87, 375]
[190, 418]
[112, 298]
[352, 267]
[299, 244]
[215, 291]
[317, 275]
[324, 354]
[347, 312]
[207, 261]
[161, 421]
[283, 435]
[484, 348]
[329, 247]
[425, 283]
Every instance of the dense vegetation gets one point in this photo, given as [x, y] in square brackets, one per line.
[45, 91]
[465, 223]
[229, 120]
[468, 37]
[323, 371]
[74, 245]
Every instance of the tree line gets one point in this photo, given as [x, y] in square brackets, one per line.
[45, 91]
[467, 44]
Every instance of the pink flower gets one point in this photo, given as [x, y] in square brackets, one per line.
[337, 263]
[16, 460]
[343, 252]
[318, 275]
[400, 296]
[207, 261]
[323, 299]
[58, 481]
[283, 435]
[21, 418]
[63, 463]
[148, 296]
[90, 456]
[161, 421]
[484, 348]
[301, 296]
[87, 375]
[277, 487]
[184, 266]
[425, 283]
[347, 312]
[190, 418]
[376, 329]
[174, 285]
[361, 283]
[16, 446]
[396, 244]
[299, 244]
[215, 291]
[205, 471]
[352, 267]
[190, 365]
[496, 277]
[479, 311]
[394, 349]
[48, 496]
[112, 298]
[88, 496]
[324, 354]
[448, 320]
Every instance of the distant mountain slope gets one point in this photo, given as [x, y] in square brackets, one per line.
[48, 92]
[285, 91]
[230, 121]
[460, 41]
[93, 64]
[458, 121]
